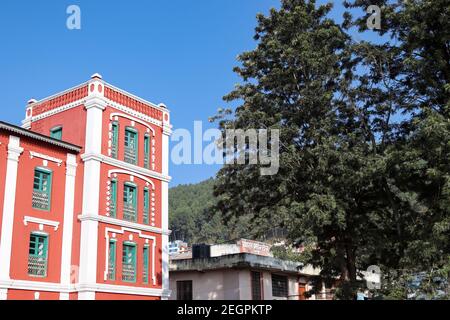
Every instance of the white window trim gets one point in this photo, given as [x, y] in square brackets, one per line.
[54, 224]
[45, 157]
[142, 236]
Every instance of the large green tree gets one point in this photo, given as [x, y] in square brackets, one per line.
[364, 136]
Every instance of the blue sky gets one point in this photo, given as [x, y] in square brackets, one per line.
[180, 52]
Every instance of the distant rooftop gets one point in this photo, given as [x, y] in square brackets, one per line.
[235, 261]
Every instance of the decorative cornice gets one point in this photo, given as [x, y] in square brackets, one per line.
[59, 109]
[95, 102]
[132, 112]
[160, 107]
[124, 165]
[122, 223]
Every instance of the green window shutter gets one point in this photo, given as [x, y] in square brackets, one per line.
[131, 146]
[146, 206]
[129, 202]
[56, 133]
[38, 255]
[145, 266]
[42, 187]
[115, 139]
[112, 260]
[147, 151]
[113, 200]
[129, 262]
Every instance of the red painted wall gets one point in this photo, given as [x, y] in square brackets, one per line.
[23, 207]
[73, 122]
[29, 295]
[115, 296]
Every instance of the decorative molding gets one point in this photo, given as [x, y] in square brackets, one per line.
[52, 112]
[104, 102]
[112, 115]
[95, 102]
[136, 170]
[45, 157]
[134, 113]
[132, 175]
[151, 104]
[54, 224]
[123, 223]
[81, 287]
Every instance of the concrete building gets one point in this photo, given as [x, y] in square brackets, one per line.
[241, 271]
[84, 197]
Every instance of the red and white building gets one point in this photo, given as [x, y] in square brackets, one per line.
[84, 197]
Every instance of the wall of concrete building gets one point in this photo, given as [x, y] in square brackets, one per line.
[228, 285]
[211, 285]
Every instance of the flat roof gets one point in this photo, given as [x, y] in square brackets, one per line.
[236, 261]
[34, 135]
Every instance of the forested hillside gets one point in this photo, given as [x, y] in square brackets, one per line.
[192, 219]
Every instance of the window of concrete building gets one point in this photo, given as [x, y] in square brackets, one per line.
[42, 186]
[145, 265]
[56, 133]
[37, 255]
[279, 286]
[129, 202]
[256, 285]
[114, 139]
[184, 290]
[129, 262]
[147, 151]
[131, 146]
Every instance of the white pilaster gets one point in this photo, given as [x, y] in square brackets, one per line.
[69, 200]
[3, 294]
[91, 187]
[165, 210]
[14, 151]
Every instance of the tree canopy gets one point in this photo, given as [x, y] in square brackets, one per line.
[364, 174]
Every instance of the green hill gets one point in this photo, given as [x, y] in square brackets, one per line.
[191, 218]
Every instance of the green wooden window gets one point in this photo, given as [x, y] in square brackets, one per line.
[42, 188]
[113, 199]
[131, 146]
[129, 262]
[147, 151]
[56, 133]
[146, 206]
[114, 139]
[129, 202]
[38, 255]
[145, 265]
[112, 260]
